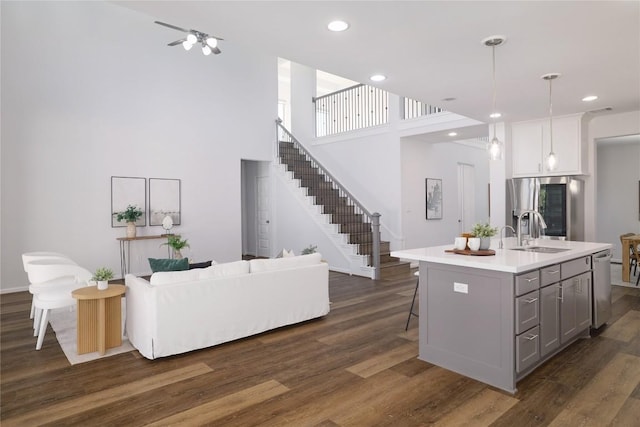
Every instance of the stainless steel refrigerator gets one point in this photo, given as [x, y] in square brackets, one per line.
[560, 201]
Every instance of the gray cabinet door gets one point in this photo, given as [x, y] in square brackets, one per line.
[568, 308]
[549, 319]
[527, 349]
[583, 307]
[527, 311]
[575, 307]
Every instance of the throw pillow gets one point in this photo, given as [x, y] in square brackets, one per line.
[204, 264]
[285, 254]
[162, 264]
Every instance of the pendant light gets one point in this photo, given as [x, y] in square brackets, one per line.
[495, 145]
[551, 161]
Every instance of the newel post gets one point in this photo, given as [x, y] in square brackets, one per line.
[375, 229]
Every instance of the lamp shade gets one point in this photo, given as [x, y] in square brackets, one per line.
[206, 50]
[212, 42]
[191, 38]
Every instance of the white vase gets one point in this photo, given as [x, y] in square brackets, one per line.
[485, 242]
[103, 284]
[131, 229]
[177, 254]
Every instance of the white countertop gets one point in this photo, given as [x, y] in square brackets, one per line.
[507, 260]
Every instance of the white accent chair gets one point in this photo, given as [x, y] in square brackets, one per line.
[33, 256]
[52, 281]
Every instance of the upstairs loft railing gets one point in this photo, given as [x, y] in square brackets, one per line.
[359, 107]
[362, 226]
[356, 107]
[413, 109]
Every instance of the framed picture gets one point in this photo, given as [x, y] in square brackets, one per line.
[434, 198]
[127, 191]
[164, 200]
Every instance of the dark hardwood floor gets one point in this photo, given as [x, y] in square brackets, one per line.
[355, 367]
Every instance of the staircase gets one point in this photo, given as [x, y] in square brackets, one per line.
[350, 220]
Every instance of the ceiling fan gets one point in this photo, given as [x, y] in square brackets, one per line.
[209, 43]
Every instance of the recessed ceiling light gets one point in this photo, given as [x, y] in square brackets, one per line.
[448, 99]
[337, 26]
[495, 115]
[453, 134]
[377, 78]
[590, 98]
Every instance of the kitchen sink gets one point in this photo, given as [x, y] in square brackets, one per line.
[542, 249]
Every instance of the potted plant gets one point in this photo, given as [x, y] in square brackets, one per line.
[130, 216]
[484, 232]
[177, 244]
[102, 276]
[311, 249]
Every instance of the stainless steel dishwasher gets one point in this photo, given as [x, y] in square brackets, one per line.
[601, 291]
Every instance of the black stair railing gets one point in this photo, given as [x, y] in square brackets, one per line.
[362, 226]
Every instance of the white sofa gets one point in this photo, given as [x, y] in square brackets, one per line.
[176, 312]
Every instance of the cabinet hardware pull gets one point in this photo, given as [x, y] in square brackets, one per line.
[531, 279]
[553, 272]
[560, 296]
[529, 301]
[531, 337]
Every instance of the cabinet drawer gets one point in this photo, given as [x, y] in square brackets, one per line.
[549, 275]
[527, 349]
[527, 282]
[527, 309]
[575, 267]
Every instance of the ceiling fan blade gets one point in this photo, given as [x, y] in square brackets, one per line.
[177, 42]
[171, 26]
[216, 50]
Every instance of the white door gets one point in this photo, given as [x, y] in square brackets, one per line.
[466, 197]
[263, 216]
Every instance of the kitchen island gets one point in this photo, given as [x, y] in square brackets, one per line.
[496, 318]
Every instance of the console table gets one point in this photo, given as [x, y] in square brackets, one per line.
[125, 247]
[99, 318]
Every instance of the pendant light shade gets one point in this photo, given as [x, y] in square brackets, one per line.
[495, 147]
[551, 160]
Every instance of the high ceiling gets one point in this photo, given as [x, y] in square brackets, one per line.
[432, 50]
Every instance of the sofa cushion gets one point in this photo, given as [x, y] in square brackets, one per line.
[258, 265]
[163, 264]
[227, 269]
[168, 277]
[204, 264]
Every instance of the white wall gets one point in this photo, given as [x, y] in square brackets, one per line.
[604, 126]
[90, 90]
[617, 188]
[421, 160]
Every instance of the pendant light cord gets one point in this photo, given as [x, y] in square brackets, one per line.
[550, 117]
[493, 110]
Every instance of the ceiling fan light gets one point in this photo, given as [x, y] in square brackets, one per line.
[206, 50]
[191, 38]
[212, 42]
[186, 45]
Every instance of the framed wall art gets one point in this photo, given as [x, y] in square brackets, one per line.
[434, 198]
[164, 200]
[128, 191]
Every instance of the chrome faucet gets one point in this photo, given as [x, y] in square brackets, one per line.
[542, 223]
[501, 230]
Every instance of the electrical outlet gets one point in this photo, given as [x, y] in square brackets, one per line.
[462, 288]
